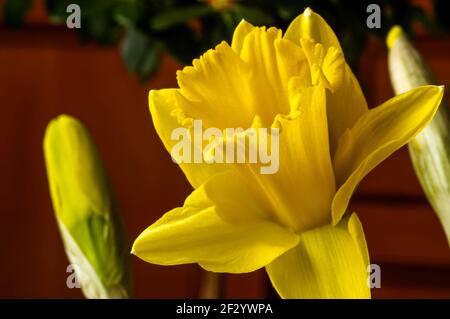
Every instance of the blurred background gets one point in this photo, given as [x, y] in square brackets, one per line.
[102, 73]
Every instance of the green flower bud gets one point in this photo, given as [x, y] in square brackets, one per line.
[86, 212]
[430, 150]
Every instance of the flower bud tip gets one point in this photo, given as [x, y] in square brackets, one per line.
[307, 12]
[395, 32]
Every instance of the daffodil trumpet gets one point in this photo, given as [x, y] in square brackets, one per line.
[233, 145]
[293, 222]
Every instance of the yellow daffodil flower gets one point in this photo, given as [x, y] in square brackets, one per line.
[293, 222]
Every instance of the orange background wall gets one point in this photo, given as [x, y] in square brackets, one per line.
[44, 72]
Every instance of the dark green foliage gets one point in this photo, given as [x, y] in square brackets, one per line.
[14, 11]
[187, 28]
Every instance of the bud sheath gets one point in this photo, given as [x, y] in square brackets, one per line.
[85, 210]
[430, 150]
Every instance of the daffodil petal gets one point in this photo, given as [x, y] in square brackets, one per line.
[346, 103]
[217, 87]
[291, 63]
[376, 135]
[328, 262]
[250, 78]
[310, 25]
[239, 35]
[164, 105]
[300, 186]
[219, 227]
[200, 98]
[260, 53]
[327, 66]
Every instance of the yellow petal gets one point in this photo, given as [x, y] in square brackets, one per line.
[291, 63]
[333, 67]
[221, 84]
[217, 88]
[327, 66]
[376, 135]
[253, 81]
[239, 35]
[346, 104]
[219, 227]
[164, 108]
[310, 25]
[328, 262]
[268, 90]
[301, 190]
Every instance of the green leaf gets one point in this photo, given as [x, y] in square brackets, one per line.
[102, 29]
[176, 16]
[126, 14]
[14, 11]
[140, 53]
